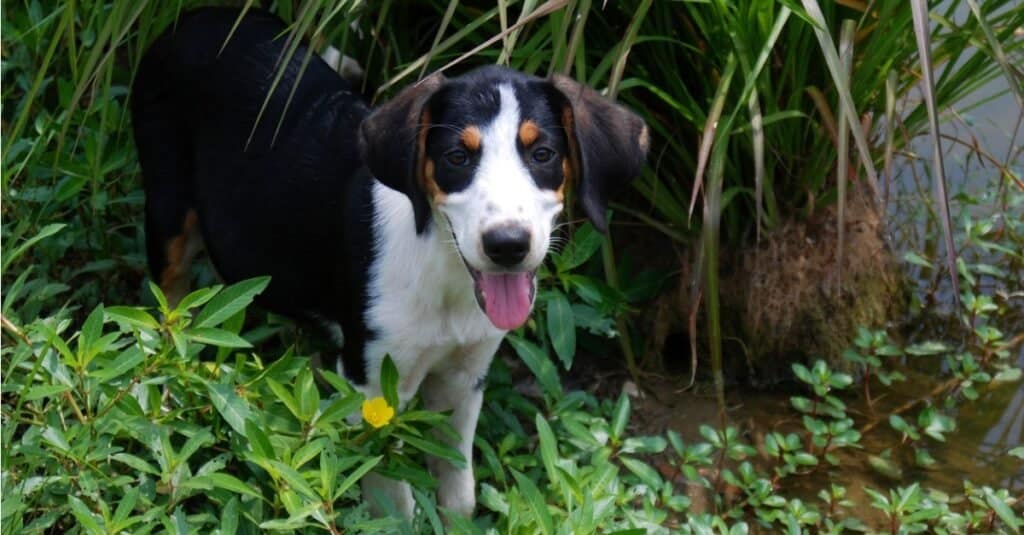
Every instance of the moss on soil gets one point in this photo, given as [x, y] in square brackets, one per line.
[795, 299]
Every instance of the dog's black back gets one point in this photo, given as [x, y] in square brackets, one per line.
[207, 163]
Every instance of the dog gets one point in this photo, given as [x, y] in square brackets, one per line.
[414, 229]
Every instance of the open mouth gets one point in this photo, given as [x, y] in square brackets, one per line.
[506, 298]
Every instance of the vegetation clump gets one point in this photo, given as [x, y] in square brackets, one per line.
[798, 297]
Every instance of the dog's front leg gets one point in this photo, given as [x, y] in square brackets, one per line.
[412, 364]
[459, 389]
[383, 492]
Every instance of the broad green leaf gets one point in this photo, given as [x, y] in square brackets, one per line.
[389, 381]
[136, 463]
[216, 337]
[584, 243]
[307, 452]
[85, 517]
[229, 301]
[341, 408]
[258, 440]
[44, 391]
[431, 447]
[1004, 511]
[90, 334]
[158, 294]
[561, 328]
[620, 417]
[224, 481]
[56, 438]
[642, 470]
[230, 405]
[286, 397]
[927, 348]
[134, 317]
[229, 518]
[198, 298]
[1007, 375]
[308, 395]
[356, 475]
[539, 363]
[45, 232]
[536, 503]
[548, 447]
[294, 480]
[120, 365]
[913, 258]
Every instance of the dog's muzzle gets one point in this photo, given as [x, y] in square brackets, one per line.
[505, 297]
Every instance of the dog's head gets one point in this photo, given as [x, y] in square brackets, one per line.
[490, 155]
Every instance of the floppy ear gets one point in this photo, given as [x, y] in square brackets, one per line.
[392, 141]
[607, 145]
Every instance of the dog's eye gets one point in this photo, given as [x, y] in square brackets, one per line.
[457, 157]
[543, 155]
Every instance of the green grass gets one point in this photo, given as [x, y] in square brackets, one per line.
[117, 420]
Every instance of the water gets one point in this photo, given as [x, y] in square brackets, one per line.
[993, 424]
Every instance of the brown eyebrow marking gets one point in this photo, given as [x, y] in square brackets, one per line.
[471, 138]
[528, 132]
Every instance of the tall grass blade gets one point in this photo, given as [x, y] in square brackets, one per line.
[828, 120]
[66, 19]
[828, 50]
[296, 31]
[997, 51]
[710, 238]
[757, 138]
[577, 37]
[846, 37]
[441, 28]
[509, 40]
[469, 28]
[110, 41]
[890, 134]
[545, 9]
[710, 129]
[923, 35]
[626, 46]
[234, 27]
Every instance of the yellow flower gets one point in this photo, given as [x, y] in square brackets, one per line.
[377, 412]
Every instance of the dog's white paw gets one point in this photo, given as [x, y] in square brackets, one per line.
[457, 491]
[379, 490]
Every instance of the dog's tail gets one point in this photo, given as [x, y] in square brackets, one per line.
[164, 143]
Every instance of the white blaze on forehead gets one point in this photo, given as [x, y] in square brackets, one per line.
[503, 130]
[502, 191]
[505, 181]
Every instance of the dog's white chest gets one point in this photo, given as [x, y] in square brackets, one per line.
[421, 304]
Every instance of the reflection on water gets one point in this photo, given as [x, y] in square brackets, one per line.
[993, 424]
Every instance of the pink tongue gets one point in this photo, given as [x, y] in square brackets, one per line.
[507, 298]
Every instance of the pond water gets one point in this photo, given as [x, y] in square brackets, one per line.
[993, 424]
[987, 427]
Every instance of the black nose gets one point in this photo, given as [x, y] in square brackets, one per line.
[507, 245]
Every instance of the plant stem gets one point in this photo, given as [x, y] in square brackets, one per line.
[941, 388]
[612, 278]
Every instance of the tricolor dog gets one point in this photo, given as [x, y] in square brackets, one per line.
[413, 230]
